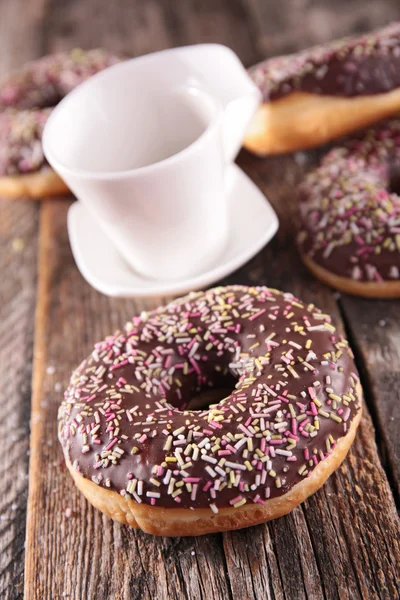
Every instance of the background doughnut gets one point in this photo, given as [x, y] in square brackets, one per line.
[350, 214]
[322, 93]
[26, 100]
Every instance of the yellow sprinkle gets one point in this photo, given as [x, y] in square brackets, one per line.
[248, 465]
[240, 503]
[18, 244]
[335, 397]
[170, 459]
[323, 413]
[155, 482]
[179, 430]
[293, 372]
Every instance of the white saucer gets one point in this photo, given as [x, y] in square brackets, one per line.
[253, 223]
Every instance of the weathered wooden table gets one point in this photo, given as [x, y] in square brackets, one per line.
[344, 541]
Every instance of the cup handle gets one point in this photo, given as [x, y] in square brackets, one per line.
[226, 79]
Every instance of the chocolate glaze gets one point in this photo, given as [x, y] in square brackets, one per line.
[21, 140]
[257, 443]
[350, 217]
[366, 65]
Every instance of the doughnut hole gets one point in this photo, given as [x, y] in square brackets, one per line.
[203, 397]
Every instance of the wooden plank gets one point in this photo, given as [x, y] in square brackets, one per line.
[342, 543]
[19, 41]
[375, 332]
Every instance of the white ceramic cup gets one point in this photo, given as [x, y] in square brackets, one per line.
[145, 144]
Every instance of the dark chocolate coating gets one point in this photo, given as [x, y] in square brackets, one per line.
[350, 215]
[367, 65]
[295, 397]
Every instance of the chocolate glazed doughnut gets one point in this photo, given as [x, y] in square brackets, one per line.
[327, 91]
[26, 100]
[141, 455]
[350, 233]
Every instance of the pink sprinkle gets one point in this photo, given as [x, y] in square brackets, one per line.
[119, 365]
[236, 499]
[112, 443]
[258, 314]
[311, 391]
[195, 365]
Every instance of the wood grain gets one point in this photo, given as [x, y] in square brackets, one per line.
[344, 541]
[20, 40]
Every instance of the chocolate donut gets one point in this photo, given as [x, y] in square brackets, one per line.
[326, 91]
[143, 456]
[350, 233]
[26, 100]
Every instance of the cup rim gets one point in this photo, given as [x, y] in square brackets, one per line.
[61, 167]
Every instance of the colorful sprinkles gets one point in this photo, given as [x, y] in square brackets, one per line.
[369, 64]
[350, 217]
[26, 100]
[126, 423]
